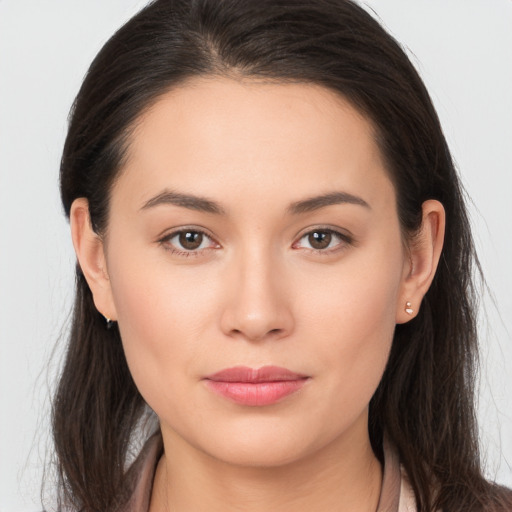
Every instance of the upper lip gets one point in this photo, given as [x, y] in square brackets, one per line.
[251, 375]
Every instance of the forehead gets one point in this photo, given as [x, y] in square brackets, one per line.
[221, 136]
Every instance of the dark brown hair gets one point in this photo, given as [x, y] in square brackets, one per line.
[425, 402]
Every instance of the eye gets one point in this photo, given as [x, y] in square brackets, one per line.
[323, 240]
[188, 241]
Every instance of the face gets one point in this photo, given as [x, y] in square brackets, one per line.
[254, 225]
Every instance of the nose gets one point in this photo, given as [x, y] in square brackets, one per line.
[257, 304]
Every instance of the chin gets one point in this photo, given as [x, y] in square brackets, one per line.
[260, 444]
[270, 454]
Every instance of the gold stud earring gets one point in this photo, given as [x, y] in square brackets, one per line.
[408, 308]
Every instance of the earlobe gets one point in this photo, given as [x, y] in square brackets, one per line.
[89, 249]
[424, 254]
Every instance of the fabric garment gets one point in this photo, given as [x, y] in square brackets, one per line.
[396, 493]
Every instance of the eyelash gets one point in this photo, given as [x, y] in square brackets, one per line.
[165, 242]
[344, 241]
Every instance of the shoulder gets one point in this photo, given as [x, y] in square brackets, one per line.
[502, 498]
[139, 478]
[499, 500]
[407, 501]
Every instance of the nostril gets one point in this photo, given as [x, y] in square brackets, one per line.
[255, 336]
[253, 317]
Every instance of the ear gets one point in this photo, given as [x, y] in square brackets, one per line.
[90, 252]
[421, 265]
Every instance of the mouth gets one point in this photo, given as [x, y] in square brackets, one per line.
[255, 387]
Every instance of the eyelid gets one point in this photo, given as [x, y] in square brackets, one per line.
[164, 238]
[347, 239]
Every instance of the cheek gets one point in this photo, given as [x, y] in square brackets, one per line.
[357, 301]
[354, 337]
[352, 320]
[163, 318]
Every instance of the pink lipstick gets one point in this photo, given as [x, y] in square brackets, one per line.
[247, 386]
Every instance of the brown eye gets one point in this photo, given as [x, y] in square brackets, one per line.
[190, 240]
[320, 239]
[323, 241]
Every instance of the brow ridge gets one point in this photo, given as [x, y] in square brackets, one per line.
[329, 199]
[189, 201]
[203, 204]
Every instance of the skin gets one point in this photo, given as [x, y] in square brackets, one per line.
[258, 290]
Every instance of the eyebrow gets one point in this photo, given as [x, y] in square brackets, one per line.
[203, 204]
[329, 199]
[191, 202]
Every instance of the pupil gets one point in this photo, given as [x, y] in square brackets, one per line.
[320, 239]
[190, 239]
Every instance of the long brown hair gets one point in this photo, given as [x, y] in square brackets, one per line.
[425, 401]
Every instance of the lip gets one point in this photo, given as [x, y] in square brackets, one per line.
[255, 387]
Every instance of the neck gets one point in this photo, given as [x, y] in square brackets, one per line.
[341, 477]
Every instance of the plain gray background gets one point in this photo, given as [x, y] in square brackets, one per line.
[463, 49]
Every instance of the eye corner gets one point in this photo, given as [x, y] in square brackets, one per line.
[195, 248]
[328, 235]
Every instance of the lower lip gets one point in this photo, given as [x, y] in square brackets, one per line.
[257, 393]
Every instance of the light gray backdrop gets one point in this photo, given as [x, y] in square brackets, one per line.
[463, 49]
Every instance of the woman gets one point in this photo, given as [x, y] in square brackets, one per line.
[275, 256]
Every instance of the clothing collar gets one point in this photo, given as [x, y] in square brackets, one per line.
[142, 473]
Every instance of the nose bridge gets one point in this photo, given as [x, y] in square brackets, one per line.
[259, 306]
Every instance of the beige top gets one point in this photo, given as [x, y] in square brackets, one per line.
[396, 493]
